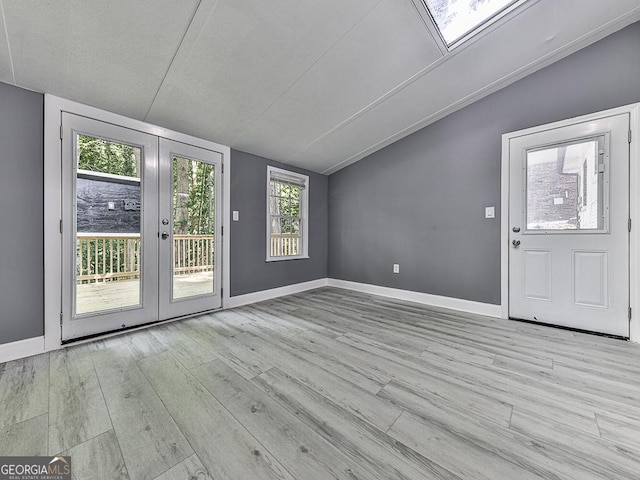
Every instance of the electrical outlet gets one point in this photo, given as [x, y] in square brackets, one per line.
[396, 268]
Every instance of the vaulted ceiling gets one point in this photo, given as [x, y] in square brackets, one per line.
[317, 84]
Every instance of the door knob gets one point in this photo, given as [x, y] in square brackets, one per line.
[515, 229]
[515, 243]
[165, 235]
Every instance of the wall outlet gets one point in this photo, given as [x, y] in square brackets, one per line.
[489, 212]
[111, 205]
[236, 215]
[396, 268]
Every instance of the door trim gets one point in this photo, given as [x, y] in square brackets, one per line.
[54, 107]
[634, 209]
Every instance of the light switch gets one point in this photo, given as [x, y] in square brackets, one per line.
[111, 205]
[489, 212]
[236, 215]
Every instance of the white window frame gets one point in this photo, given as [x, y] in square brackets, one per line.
[445, 47]
[304, 214]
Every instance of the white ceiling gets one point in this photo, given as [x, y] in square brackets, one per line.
[317, 84]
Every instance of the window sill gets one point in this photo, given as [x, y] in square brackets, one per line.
[280, 259]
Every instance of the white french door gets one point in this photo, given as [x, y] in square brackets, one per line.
[140, 230]
[568, 221]
[190, 229]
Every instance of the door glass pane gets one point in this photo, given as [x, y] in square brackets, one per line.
[193, 208]
[108, 212]
[565, 186]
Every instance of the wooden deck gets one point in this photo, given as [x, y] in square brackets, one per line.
[331, 384]
[92, 297]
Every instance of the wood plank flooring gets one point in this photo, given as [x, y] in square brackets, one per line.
[332, 384]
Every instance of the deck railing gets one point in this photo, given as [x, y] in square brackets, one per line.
[285, 244]
[106, 257]
[111, 257]
[192, 253]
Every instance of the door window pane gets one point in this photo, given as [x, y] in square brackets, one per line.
[193, 227]
[565, 186]
[108, 212]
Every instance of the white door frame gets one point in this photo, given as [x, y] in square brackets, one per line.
[54, 106]
[634, 207]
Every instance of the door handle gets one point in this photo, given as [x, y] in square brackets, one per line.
[165, 235]
[515, 243]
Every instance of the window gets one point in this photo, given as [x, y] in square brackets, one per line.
[458, 20]
[565, 186]
[287, 211]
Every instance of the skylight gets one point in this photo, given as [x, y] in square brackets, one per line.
[458, 18]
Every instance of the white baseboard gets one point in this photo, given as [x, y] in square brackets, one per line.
[21, 349]
[417, 297]
[263, 295]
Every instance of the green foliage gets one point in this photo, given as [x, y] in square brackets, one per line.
[193, 197]
[193, 181]
[285, 207]
[98, 155]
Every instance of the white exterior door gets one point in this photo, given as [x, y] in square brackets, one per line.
[569, 226]
[109, 239]
[141, 236]
[190, 229]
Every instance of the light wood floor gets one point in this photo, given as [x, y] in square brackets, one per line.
[332, 384]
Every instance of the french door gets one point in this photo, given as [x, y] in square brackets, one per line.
[140, 230]
[568, 221]
[190, 229]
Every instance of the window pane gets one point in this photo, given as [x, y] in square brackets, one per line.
[456, 18]
[108, 212]
[285, 211]
[104, 156]
[193, 227]
[565, 187]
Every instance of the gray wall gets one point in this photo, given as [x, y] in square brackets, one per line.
[21, 214]
[420, 201]
[249, 270]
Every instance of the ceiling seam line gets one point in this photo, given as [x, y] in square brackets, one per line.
[173, 58]
[6, 34]
[394, 91]
[476, 95]
[324, 54]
